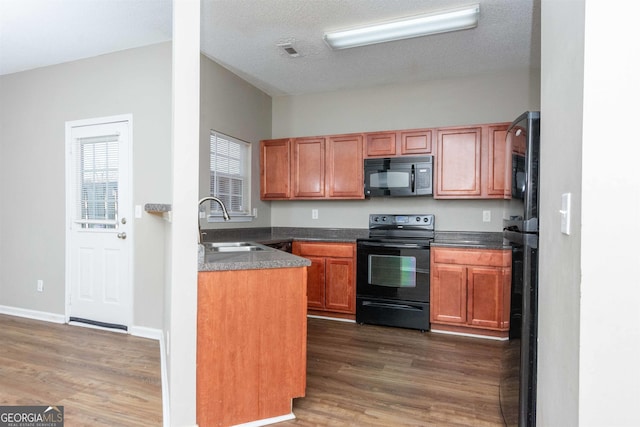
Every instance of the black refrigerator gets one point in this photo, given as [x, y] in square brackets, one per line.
[520, 231]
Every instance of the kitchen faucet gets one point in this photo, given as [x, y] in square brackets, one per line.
[225, 214]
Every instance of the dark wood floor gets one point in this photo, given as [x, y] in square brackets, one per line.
[358, 375]
[363, 375]
[101, 378]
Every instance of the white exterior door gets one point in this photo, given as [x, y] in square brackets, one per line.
[99, 231]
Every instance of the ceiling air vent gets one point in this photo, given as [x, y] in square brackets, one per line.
[289, 49]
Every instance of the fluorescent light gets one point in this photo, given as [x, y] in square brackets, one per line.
[414, 26]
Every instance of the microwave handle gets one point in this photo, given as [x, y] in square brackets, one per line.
[413, 179]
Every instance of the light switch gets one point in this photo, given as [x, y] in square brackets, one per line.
[565, 214]
[138, 213]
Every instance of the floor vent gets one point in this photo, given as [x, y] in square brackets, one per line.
[97, 323]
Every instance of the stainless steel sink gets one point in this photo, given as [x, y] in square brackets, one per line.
[232, 247]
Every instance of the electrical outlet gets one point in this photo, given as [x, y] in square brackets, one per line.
[314, 213]
[486, 216]
[40, 286]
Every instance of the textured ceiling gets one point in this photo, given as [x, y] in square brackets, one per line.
[243, 36]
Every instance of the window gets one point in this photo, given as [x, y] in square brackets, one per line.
[97, 181]
[230, 166]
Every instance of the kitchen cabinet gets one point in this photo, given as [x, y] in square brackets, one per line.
[498, 163]
[398, 143]
[275, 171]
[470, 290]
[345, 167]
[308, 167]
[313, 168]
[251, 344]
[472, 162]
[331, 276]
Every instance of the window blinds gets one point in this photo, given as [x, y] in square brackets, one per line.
[230, 166]
[97, 161]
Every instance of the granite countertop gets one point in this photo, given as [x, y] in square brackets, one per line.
[273, 258]
[475, 240]
[250, 260]
[269, 235]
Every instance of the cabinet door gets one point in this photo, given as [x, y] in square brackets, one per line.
[448, 293]
[497, 180]
[274, 169]
[345, 167]
[415, 141]
[340, 285]
[380, 144]
[316, 282]
[308, 168]
[458, 163]
[485, 287]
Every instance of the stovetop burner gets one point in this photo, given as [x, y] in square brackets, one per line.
[393, 226]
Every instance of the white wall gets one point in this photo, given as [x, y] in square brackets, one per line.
[180, 316]
[35, 106]
[610, 291]
[479, 99]
[589, 339]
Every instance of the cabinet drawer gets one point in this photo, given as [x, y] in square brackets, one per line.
[332, 250]
[484, 257]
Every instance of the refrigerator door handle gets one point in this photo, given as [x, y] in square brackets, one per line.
[525, 239]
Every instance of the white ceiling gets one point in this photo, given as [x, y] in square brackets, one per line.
[243, 35]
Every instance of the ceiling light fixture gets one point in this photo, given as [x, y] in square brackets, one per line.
[414, 26]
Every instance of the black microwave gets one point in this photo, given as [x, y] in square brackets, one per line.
[398, 176]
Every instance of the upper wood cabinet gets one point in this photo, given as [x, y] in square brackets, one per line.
[312, 168]
[397, 143]
[472, 162]
[458, 164]
[498, 162]
[345, 167]
[308, 167]
[275, 170]
[417, 141]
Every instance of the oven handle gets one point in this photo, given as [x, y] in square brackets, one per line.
[389, 305]
[393, 245]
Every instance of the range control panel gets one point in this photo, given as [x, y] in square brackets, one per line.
[425, 221]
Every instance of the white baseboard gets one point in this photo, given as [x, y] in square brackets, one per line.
[144, 332]
[32, 314]
[268, 421]
[337, 319]
[464, 334]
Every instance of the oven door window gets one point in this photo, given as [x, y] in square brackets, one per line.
[392, 271]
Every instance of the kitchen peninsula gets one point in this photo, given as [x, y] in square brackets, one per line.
[252, 331]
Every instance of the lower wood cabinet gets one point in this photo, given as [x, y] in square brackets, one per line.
[331, 276]
[470, 290]
[251, 356]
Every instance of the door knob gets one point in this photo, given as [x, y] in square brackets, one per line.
[122, 235]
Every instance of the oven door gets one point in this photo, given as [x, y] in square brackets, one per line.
[393, 270]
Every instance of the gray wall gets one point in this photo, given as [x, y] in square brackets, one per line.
[479, 99]
[35, 106]
[588, 372]
[559, 280]
[232, 106]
